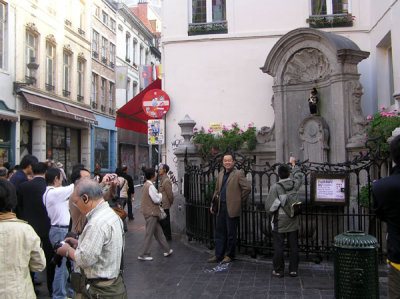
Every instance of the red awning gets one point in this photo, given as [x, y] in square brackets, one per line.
[131, 116]
[61, 109]
[8, 117]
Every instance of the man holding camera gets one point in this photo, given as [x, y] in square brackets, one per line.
[100, 247]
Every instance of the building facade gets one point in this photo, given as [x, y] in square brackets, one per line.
[225, 43]
[134, 43]
[102, 97]
[8, 113]
[51, 88]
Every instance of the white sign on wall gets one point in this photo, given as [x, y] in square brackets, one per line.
[155, 131]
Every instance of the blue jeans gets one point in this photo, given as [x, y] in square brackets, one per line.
[225, 233]
[61, 274]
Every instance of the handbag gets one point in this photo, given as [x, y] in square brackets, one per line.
[163, 215]
[215, 203]
[120, 212]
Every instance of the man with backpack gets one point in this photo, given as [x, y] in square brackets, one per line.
[283, 203]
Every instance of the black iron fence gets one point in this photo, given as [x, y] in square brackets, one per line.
[319, 224]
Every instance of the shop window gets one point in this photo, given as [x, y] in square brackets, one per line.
[25, 144]
[208, 17]
[101, 147]
[5, 141]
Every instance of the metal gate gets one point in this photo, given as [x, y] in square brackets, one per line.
[319, 224]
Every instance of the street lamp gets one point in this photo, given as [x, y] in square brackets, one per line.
[29, 80]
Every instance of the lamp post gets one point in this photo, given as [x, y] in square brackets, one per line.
[29, 80]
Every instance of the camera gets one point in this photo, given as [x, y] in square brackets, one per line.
[57, 259]
[112, 177]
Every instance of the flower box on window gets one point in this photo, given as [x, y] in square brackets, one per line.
[328, 21]
[208, 28]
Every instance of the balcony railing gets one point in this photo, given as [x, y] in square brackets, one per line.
[208, 28]
[111, 110]
[95, 54]
[94, 105]
[103, 108]
[66, 93]
[328, 21]
[81, 32]
[80, 98]
[112, 65]
[104, 60]
[67, 22]
[49, 87]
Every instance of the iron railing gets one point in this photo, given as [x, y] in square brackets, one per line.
[318, 224]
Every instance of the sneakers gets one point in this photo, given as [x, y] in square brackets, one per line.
[145, 258]
[293, 274]
[168, 253]
[226, 260]
[277, 274]
[213, 260]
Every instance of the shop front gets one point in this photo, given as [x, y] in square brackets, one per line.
[104, 143]
[53, 129]
[7, 137]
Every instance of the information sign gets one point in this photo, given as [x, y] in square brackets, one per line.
[155, 131]
[329, 188]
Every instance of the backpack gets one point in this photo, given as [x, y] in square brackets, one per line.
[290, 201]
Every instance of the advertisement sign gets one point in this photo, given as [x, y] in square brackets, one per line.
[156, 103]
[329, 189]
[216, 127]
[155, 131]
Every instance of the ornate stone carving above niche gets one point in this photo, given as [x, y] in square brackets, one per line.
[51, 39]
[266, 134]
[68, 49]
[32, 28]
[307, 65]
[81, 56]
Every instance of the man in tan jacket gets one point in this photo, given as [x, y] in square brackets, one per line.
[165, 188]
[234, 189]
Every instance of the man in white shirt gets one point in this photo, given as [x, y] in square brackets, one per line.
[55, 199]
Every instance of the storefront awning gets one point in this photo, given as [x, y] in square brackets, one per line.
[8, 117]
[131, 116]
[61, 109]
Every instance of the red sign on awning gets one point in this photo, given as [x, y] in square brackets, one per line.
[156, 103]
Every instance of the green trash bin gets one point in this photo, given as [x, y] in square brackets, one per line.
[356, 265]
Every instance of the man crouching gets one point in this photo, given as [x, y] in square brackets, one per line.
[98, 252]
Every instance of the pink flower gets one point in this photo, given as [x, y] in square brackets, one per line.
[210, 130]
[383, 108]
[240, 132]
[212, 151]
[202, 128]
[197, 144]
[195, 129]
[224, 128]
[364, 153]
[234, 124]
[374, 181]
[250, 125]
[369, 117]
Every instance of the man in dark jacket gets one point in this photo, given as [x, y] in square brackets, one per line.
[25, 169]
[131, 190]
[386, 193]
[32, 210]
[281, 223]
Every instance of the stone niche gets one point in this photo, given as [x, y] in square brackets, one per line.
[305, 58]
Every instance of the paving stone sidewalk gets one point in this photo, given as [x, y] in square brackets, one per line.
[186, 274]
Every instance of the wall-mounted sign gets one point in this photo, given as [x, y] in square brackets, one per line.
[329, 188]
[216, 127]
[156, 103]
[155, 131]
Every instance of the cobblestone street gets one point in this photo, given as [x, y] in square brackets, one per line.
[186, 274]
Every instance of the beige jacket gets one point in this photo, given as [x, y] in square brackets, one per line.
[165, 189]
[20, 253]
[237, 191]
[147, 206]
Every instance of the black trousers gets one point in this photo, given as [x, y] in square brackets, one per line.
[166, 226]
[225, 234]
[278, 259]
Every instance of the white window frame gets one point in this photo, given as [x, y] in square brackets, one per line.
[104, 18]
[95, 41]
[127, 46]
[134, 50]
[329, 7]
[113, 24]
[50, 63]
[67, 71]
[112, 53]
[80, 77]
[110, 94]
[29, 49]
[93, 94]
[104, 43]
[209, 17]
[103, 92]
